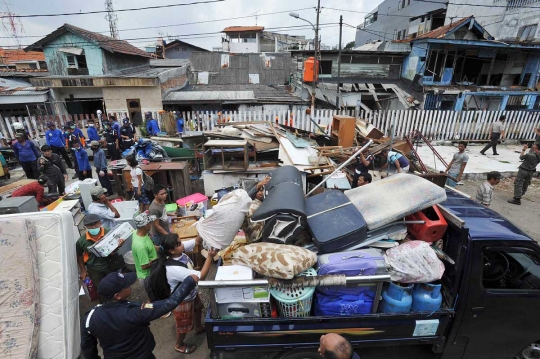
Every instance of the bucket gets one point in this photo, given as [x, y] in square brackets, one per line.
[396, 299]
[130, 262]
[295, 302]
[426, 297]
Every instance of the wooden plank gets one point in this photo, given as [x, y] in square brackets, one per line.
[450, 217]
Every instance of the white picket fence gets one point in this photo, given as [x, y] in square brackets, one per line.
[435, 125]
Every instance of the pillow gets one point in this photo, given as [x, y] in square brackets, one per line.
[275, 260]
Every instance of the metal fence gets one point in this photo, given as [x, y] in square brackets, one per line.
[435, 125]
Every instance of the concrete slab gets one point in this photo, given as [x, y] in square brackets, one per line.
[507, 162]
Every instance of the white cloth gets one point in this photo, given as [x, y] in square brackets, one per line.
[177, 274]
[103, 212]
[135, 172]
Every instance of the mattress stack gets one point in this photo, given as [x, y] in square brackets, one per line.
[57, 325]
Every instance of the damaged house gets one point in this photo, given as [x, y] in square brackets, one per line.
[460, 66]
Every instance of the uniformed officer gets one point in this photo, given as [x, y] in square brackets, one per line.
[70, 138]
[525, 172]
[127, 133]
[111, 137]
[121, 327]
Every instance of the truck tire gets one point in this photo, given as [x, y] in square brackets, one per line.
[300, 354]
[531, 351]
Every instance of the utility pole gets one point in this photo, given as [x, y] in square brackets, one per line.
[339, 61]
[316, 62]
[112, 18]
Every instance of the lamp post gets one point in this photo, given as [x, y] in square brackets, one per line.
[315, 63]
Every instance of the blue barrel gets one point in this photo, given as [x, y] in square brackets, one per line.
[396, 299]
[426, 297]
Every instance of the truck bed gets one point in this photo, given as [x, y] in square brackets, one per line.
[276, 334]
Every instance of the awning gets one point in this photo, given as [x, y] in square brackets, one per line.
[208, 96]
[71, 50]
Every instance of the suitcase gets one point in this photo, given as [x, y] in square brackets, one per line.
[350, 300]
[334, 222]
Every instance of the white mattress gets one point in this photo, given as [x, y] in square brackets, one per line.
[55, 233]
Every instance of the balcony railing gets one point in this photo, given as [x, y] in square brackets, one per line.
[515, 4]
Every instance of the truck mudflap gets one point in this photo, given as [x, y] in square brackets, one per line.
[292, 333]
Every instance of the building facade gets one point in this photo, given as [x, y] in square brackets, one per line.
[253, 39]
[177, 49]
[391, 20]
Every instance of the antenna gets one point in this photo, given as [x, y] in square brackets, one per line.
[256, 13]
[111, 18]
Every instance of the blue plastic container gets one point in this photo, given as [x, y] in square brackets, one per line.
[426, 297]
[396, 299]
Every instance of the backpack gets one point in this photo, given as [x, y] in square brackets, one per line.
[158, 287]
[148, 181]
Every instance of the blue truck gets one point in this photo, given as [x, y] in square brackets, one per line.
[489, 310]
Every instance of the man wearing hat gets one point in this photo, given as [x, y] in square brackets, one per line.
[127, 133]
[497, 132]
[142, 247]
[525, 172]
[55, 138]
[111, 137]
[123, 328]
[27, 154]
[484, 194]
[103, 208]
[89, 264]
[83, 164]
[100, 163]
[35, 189]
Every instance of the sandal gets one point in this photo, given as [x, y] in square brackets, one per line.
[202, 331]
[189, 349]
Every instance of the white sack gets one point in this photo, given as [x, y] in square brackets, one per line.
[219, 229]
[414, 262]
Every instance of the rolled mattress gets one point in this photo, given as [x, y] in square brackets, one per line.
[57, 324]
[391, 199]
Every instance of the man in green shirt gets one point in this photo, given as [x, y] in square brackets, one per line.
[142, 247]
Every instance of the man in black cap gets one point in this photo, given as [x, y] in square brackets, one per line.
[121, 327]
[526, 172]
[127, 133]
[111, 137]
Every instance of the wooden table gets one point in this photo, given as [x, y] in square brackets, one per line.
[171, 174]
[8, 189]
[182, 227]
[222, 145]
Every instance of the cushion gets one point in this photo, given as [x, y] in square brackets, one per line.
[275, 260]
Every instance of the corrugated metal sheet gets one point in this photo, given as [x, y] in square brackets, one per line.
[192, 96]
[169, 62]
[243, 28]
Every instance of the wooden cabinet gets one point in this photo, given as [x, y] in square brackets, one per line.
[344, 129]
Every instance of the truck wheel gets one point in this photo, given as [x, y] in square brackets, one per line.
[299, 354]
[531, 351]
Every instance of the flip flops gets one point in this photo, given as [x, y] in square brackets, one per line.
[189, 349]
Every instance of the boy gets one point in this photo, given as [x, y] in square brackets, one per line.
[484, 194]
[142, 247]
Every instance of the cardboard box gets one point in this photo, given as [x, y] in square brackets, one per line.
[244, 310]
[109, 242]
[239, 294]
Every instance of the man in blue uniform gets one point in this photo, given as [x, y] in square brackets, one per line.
[152, 126]
[85, 170]
[179, 124]
[121, 327]
[55, 138]
[92, 131]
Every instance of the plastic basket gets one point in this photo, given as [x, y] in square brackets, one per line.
[295, 302]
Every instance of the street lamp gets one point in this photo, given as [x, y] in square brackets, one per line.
[315, 62]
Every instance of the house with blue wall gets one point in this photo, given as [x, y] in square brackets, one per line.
[89, 71]
[460, 66]
[178, 49]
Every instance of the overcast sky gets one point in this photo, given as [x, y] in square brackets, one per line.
[218, 14]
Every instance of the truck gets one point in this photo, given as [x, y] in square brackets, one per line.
[489, 310]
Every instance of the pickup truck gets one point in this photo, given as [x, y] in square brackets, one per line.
[489, 310]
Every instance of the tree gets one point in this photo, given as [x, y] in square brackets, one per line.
[349, 46]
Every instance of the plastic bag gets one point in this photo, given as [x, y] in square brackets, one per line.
[219, 229]
[414, 262]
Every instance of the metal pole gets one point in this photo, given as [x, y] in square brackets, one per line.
[316, 62]
[339, 61]
[342, 165]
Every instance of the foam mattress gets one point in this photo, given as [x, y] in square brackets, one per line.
[391, 199]
[58, 333]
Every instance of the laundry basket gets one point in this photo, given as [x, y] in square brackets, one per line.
[295, 302]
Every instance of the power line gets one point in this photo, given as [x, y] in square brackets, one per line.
[182, 24]
[106, 11]
[480, 5]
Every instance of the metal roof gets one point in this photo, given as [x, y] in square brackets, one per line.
[23, 73]
[169, 62]
[133, 72]
[243, 28]
[183, 43]
[194, 96]
[483, 223]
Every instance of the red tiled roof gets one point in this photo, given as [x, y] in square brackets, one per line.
[105, 42]
[11, 56]
[439, 32]
[243, 28]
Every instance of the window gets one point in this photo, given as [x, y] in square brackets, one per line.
[326, 67]
[177, 48]
[401, 35]
[81, 61]
[512, 269]
[403, 3]
[370, 19]
[71, 61]
[184, 48]
[527, 33]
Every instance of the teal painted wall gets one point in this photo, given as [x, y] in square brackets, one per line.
[57, 62]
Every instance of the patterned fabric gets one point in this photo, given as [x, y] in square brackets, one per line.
[253, 230]
[19, 290]
[275, 260]
[484, 194]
